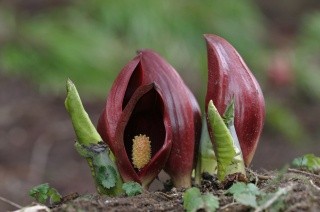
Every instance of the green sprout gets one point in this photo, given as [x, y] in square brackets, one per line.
[193, 201]
[132, 188]
[228, 156]
[90, 146]
[44, 192]
[309, 162]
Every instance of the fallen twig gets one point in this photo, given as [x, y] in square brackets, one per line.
[254, 174]
[168, 196]
[10, 202]
[36, 207]
[228, 205]
[314, 185]
[263, 177]
[274, 198]
[303, 172]
[258, 176]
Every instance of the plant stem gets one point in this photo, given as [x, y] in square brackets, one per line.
[90, 146]
[207, 161]
[10, 202]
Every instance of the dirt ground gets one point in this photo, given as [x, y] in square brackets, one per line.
[303, 194]
[36, 146]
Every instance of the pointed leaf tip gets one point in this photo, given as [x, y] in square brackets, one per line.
[69, 85]
[83, 127]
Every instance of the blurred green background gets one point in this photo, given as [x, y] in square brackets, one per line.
[90, 41]
[45, 42]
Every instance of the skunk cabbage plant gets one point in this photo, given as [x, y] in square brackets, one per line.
[229, 79]
[151, 121]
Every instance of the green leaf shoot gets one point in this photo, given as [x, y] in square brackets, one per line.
[238, 162]
[90, 146]
[132, 188]
[308, 161]
[228, 115]
[193, 201]
[226, 156]
[85, 131]
[223, 141]
[43, 192]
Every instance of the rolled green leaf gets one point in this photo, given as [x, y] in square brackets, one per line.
[90, 146]
[85, 131]
[238, 165]
[228, 115]
[222, 140]
[226, 158]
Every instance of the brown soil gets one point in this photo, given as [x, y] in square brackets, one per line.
[303, 195]
[148, 201]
